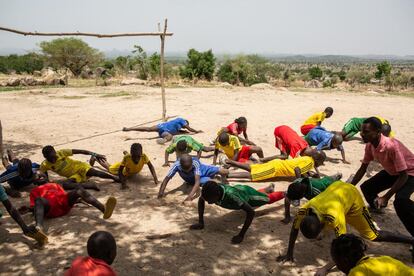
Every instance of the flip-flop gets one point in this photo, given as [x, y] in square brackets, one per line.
[39, 236]
[109, 207]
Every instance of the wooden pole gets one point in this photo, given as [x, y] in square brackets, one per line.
[1, 141]
[164, 106]
[83, 34]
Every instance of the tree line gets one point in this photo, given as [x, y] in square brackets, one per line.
[76, 55]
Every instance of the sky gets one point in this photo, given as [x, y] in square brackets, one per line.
[346, 27]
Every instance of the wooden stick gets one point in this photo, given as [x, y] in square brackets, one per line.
[164, 106]
[83, 34]
[1, 141]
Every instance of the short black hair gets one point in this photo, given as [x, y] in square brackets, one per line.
[241, 120]
[209, 190]
[311, 226]
[374, 122]
[136, 147]
[102, 245]
[223, 138]
[386, 129]
[329, 110]
[294, 191]
[47, 150]
[24, 167]
[350, 247]
[181, 145]
[185, 158]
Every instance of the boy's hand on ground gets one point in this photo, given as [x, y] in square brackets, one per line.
[286, 220]
[237, 239]
[156, 181]
[285, 258]
[159, 196]
[321, 271]
[346, 162]
[166, 164]
[30, 230]
[124, 186]
[197, 226]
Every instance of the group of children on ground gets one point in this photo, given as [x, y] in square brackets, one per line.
[332, 203]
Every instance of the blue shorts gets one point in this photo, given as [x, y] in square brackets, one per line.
[207, 172]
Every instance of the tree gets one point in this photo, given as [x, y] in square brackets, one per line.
[70, 53]
[141, 59]
[25, 63]
[154, 66]
[199, 65]
[383, 70]
[315, 72]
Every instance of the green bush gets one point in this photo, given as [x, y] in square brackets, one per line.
[199, 65]
[25, 63]
[315, 72]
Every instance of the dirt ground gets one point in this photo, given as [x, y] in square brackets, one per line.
[34, 118]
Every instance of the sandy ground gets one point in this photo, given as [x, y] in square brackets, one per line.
[35, 118]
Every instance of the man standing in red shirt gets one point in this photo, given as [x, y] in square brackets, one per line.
[397, 176]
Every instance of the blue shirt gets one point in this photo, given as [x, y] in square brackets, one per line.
[11, 175]
[195, 170]
[321, 138]
[172, 126]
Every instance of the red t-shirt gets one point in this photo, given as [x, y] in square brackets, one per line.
[88, 266]
[392, 155]
[234, 129]
[286, 139]
[55, 195]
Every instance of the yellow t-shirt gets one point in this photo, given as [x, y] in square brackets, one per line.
[383, 121]
[130, 167]
[234, 144]
[379, 266]
[315, 119]
[65, 166]
[332, 206]
[281, 168]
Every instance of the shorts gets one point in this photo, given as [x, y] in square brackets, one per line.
[263, 171]
[207, 173]
[306, 128]
[81, 173]
[55, 195]
[114, 168]
[363, 223]
[351, 129]
[244, 154]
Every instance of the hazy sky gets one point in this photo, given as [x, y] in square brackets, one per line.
[226, 26]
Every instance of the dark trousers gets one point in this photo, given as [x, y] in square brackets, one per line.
[404, 206]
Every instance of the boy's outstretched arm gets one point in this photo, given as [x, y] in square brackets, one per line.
[292, 239]
[287, 219]
[216, 152]
[199, 154]
[87, 152]
[163, 186]
[192, 129]
[343, 157]
[17, 218]
[200, 224]
[166, 159]
[270, 158]
[249, 218]
[122, 177]
[236, 155]
[298, 173]
[194, 190]
[154, 174]
[359, 174]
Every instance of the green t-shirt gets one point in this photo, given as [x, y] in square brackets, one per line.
[353, 126]
[192, 144]
[317, 186]
[235, 196]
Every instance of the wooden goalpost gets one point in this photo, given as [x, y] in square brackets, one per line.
[162, 36]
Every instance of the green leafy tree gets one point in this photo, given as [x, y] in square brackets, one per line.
[70, 53]
[383, 70]
[141, 59]
[315, 72]
[25, 63]
[154, 66]
[199, 65]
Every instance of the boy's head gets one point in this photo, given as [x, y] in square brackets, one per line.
[337, 140]
[211, 192]
[328, 112]
[346, 251]
[101, 245]
[136, 152]
[242, 122]
[386, 130]
[297, 189]
[371, 130]
[186, 162]
[24, 168]
[319, 157]
[49, 153]
[224, 138]
[311, 226]
[181, 146]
